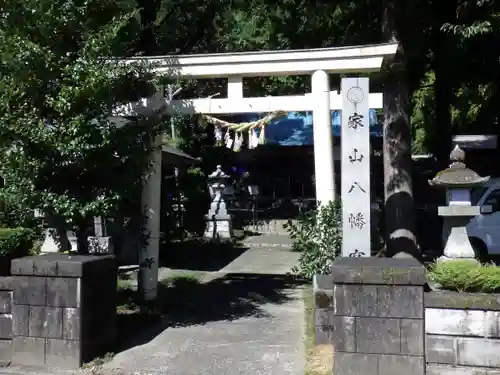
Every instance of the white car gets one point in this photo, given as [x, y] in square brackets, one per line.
[484, 229]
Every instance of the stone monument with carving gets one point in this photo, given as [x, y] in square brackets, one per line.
[458, 180]
[218, 219]
[100, 243]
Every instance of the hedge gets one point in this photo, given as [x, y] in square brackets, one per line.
[466, 276]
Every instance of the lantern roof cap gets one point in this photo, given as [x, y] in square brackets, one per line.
[457, 175]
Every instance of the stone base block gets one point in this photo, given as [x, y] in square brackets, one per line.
[100, 245]
[435, 369]
[5, 326]
[36, 351]
[219, 228]
[373, 364]
[5, 352]
[29, 351]
[63, 353]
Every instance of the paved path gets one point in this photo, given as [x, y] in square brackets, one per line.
[252, 325]
[264, 261]
[241, 324]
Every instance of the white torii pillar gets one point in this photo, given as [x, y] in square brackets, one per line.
[323, 140]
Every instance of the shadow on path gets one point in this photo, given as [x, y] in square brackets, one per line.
[186, 301]
[199, 255]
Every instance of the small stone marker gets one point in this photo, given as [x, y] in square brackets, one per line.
[100, 243]
[355, 179]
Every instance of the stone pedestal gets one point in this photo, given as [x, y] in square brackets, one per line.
[455, 221]
[376, 322]
[218, 227]
[49, 244]
[64, 309]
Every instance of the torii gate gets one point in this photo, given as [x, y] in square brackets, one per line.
[318, 63]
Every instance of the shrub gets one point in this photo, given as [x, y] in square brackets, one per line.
[317, 235]
[15, 243]
[466, 276]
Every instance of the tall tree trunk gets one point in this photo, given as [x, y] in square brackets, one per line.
[147, 38]
[399, 206]
[443, 93]
[82, 242]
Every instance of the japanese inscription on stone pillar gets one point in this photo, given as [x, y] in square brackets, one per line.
[355, 167]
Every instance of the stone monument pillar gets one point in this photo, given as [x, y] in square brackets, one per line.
[458, 180]
[218, 219]
[355, 181]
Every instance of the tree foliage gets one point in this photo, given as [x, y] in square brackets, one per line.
[317, 235]
[450, 65]
[60, 151]
[58, 83]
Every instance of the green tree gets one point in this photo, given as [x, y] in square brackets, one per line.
[59, 83]
[460, 91]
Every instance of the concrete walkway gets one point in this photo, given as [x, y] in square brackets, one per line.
[263, 261]
[246, 324]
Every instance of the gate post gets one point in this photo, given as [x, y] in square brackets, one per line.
[376, 323]
[64, 309]
[323, 138]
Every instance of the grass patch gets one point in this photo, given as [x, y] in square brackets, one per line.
[98, 362]
[128, 302]
[466, 276]
[319, 359]
[174, 293]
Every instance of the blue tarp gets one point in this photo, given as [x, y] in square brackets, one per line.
[297, 128]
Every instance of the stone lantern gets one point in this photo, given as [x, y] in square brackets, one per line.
[218, 219]
[458, 180]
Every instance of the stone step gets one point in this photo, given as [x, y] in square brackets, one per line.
[269, 240]
[272, 226]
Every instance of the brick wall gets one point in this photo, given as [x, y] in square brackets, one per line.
[462, 333]
[381, 328]
[5, 321]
